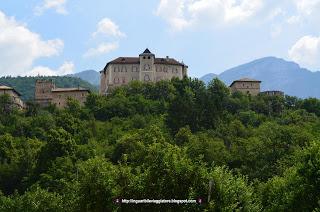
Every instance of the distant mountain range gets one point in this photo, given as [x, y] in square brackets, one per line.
[275, 74]
[91, 76]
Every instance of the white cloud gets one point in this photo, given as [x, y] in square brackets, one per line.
[307, 7]
[58, 5]
[185, 13]
[64, 69]
[109, 28]
[103, 48]
[20, 47]
[306, 51]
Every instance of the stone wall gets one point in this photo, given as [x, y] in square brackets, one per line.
[252, 88]
[60, 99]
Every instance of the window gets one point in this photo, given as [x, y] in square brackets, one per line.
[149, 57]
[134, 69]
[146, 78]
[144, 57]
[123, 69]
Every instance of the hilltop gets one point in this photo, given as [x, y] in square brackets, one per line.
[91, 76]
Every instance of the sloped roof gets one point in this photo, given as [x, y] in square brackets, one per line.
[245, 80]
[136, 60]
[147, 51]
[4, 87]
[69, 89]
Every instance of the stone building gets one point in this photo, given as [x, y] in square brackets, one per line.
[46, 93]
[14, 95]
[273, 93]
[246, 86]
[145, 68]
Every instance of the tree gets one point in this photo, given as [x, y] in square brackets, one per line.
[97, 185]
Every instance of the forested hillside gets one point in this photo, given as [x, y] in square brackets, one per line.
[25, 85]
[168, 140]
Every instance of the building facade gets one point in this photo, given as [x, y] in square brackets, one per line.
[145, 68]
[14, 95]
[246, 86]
[46, 93]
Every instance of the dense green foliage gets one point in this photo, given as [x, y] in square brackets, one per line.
[25, 85]
[169, 140]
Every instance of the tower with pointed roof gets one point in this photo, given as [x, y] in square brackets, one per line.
[145, 68]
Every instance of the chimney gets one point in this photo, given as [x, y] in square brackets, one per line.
[167, 58]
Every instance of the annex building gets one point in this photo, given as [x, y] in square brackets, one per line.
[14, 95]
[145, 68]
[252, 87]
[46, 93]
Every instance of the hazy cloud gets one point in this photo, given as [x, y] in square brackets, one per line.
[64, 69]
[101, 49]
[57, 5]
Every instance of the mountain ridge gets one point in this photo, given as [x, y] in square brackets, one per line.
[275, 74]
[91, 76]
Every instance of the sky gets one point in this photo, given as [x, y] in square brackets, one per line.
[58, 37]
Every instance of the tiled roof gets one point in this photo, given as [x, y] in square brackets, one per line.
[245, 80]
[125, 60]
[4, 87]
[136, 60]
[69, 89]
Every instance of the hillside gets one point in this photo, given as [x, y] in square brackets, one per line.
[25, 85]
[91, 76]
[177, 139]
[276, 74]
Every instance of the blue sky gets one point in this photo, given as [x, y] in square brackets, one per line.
[56, 37]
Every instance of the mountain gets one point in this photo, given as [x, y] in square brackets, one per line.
[90, 76]
[276, 74]
[25, 85]
[208, 77]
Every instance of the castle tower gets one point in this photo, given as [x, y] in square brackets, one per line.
[43, 92]
[147, 67]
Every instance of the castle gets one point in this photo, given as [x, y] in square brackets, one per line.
[145, 68]
[46, 93]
